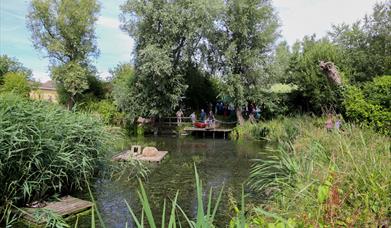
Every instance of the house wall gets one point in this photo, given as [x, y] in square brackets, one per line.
[48, 95]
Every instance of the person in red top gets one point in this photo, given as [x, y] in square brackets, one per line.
[329, 122]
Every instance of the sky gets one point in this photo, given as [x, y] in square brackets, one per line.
[297, 17]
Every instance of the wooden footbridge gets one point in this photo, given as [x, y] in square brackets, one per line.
[219, 129]
[209, 131]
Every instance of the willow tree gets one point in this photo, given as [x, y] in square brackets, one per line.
[65, 31]
[244, 40]
[169, 37]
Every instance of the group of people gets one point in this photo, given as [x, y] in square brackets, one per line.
[204, 118]
[333, 122]
[210, 119]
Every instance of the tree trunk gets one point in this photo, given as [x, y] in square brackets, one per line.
[331, 71]
[239, 116]
[70, 102]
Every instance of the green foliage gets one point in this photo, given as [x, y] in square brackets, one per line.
[202, 88]
[280, 65]
[156, 83]
[314, 90]
[8, 64]
[277, 130]
[366, 44]
[65, 30]
[326, 178]
[378, 92]
[204, 216]
[244, 40]
[45, 150]
[371, 105]
[72, 76]
[16, 83]
[106, 111]
[122, 79]
[168, 38]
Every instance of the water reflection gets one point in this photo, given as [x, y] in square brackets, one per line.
[219, 162]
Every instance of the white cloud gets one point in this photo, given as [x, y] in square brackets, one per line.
[305, 17]
[104, 75]
[108, 22]
[41, 76]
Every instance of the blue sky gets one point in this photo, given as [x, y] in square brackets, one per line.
[298, 18]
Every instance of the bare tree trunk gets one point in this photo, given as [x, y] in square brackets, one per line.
[239, 116]
[70, 102]
[330, 70]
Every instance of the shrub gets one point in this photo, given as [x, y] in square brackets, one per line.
[370, 106]
[106, 110]
[276, 130]
[44, 149]
[17, 83]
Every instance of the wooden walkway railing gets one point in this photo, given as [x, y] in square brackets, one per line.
[173, 121]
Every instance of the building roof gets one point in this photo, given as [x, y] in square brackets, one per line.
[49, 85]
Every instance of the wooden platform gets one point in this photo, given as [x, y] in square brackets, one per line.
[213, 131]
[65, 207]
[155, 156]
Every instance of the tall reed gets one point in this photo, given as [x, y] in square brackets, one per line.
[339, 178]
[44, 149]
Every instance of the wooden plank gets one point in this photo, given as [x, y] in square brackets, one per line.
[127, 155]
[66, 206]
[207, 129]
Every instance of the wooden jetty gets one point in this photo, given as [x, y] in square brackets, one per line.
[149, 154]
[213, 131]
[65, 207]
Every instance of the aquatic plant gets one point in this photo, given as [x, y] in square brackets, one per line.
[44, 149]
[204, 217]
[338, 178]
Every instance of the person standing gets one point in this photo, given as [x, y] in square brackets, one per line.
[193, 117]
[202, 115]
[179, 115]
[329, 122]
[211, 119]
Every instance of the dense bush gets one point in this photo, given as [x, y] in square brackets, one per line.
[106, 111]
[8, 64]
[276, 130]
[371, 105]
[314, 91]
[17, 83]
[44, 149]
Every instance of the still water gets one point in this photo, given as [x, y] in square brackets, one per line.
[220, 163]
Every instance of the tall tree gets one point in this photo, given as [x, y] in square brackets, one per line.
[169, 37]
[65, 30]
[367, 44]
[245, 37]
[315, 93]
[280, 63]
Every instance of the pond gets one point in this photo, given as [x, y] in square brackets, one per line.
[220, 163]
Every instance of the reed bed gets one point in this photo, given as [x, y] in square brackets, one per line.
[44, 150]
[338, 178]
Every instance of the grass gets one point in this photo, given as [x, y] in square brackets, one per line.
[205, 213]
[313, 178]
[338, 178]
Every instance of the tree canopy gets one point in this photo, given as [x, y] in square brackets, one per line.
[65, 31]
[8, 64]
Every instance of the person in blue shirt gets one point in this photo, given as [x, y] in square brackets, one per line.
[202, 115]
